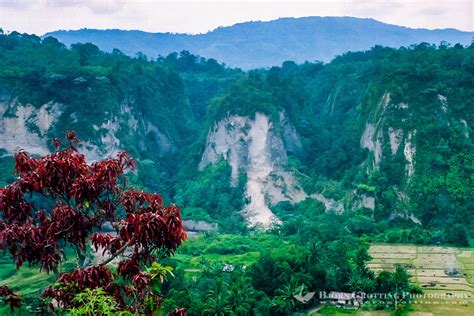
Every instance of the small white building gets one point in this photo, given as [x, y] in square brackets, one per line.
[344, 299]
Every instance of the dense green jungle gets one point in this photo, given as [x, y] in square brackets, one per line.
[373, 147]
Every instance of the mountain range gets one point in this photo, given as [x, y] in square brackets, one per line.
[264, 44]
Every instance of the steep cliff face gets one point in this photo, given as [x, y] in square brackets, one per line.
[372, 140]
[24, 126]
[127, 129]
[255, 146]
[396, 137]
[409, 151]
[378, 133]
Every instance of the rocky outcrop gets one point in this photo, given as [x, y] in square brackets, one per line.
[290, 137]
[329, 204]
[373, 137]
[197, 226]
[27, 127]
[368, 201]
[409, 151]
[256, 147]
[227, 139]
[396, 137]
[372, 140]
[358, 199]
[24, 126]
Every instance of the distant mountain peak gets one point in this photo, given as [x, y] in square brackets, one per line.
[259, 44]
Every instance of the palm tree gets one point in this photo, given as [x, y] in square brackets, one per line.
[400, 279]
[242, 295]
[284, 302]
[217, 300]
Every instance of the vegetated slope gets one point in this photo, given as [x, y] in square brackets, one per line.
[386, 133]
[113, 102]
[382, 136]
[264, 44]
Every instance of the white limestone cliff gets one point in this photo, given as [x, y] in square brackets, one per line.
[255, 147]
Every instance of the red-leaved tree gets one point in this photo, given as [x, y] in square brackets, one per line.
[60, 201]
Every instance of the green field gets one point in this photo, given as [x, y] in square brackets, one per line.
[335, 311]
[28, 281]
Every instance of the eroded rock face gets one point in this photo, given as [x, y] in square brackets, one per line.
[373, 137]
[366, 141]
[228, 140]
[109, 142]
[368, 201]
[396, 137]
[257, 148]
[329, 204]
[409, 151]
[29, 128]
[24, 126]
[260, 166]
[372, 140]
[290, 137]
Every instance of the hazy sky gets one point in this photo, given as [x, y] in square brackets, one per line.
[192, 16]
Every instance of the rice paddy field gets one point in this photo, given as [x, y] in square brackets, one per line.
[446, 275]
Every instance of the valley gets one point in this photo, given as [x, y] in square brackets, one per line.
[350, 175]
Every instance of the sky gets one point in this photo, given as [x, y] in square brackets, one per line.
[193, 16]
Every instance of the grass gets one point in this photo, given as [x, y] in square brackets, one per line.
[337, 311]
[194, 265]
[441, 309]
[29, 280]
[466, 258]
[223, 249]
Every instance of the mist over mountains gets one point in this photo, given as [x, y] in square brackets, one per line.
[264, 44]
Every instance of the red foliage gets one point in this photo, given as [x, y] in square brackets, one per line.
[178, 312]
[10, 297]
[71, 137]
[84, 197]
[78, 280]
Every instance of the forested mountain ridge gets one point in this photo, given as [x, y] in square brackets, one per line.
[383, 136]
[270, 43]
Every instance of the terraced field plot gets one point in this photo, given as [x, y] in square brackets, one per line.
[444, 273]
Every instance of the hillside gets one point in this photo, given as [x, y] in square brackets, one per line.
[290, 172]
[384, 134]
[264, 44]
